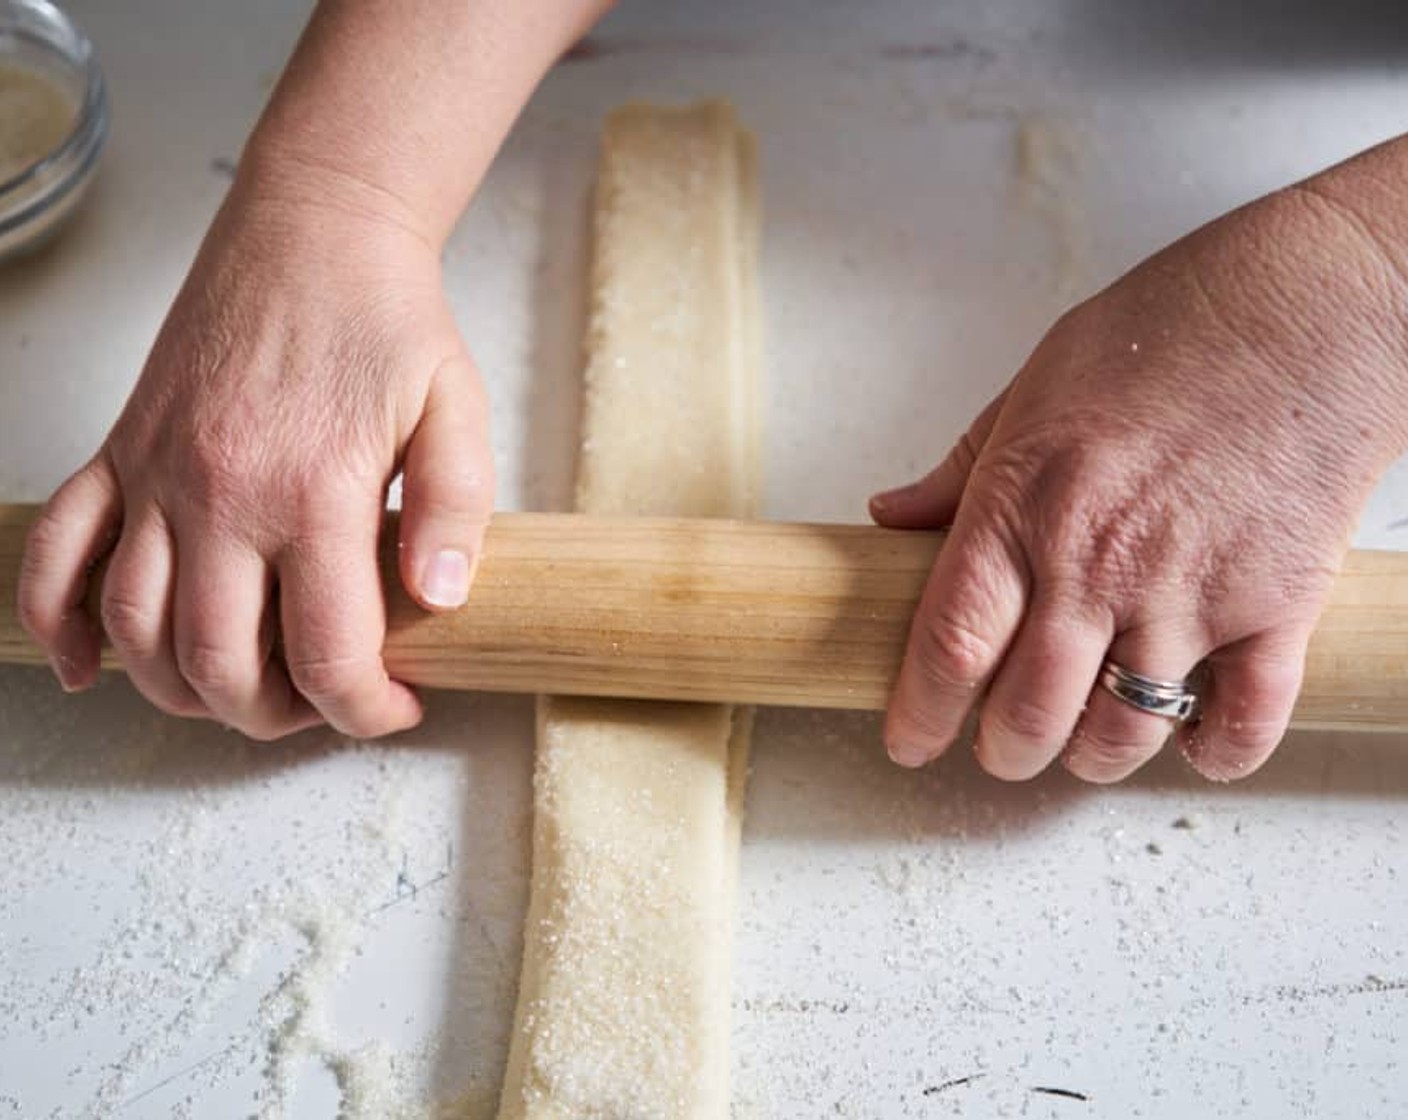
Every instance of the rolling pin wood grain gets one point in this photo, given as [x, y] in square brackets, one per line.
[752, 612]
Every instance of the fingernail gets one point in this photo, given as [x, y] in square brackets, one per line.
[908, 754]
[446, 579]
[66, 672]
[889, 499]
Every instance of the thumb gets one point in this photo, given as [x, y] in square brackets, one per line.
[932, 502]
[447, 489]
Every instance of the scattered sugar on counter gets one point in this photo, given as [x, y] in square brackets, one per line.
[208, 970]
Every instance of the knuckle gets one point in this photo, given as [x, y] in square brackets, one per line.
[327, 509]
[1234, 748]
[37, 617]
[1114, 554]
[953, 654]
[128, 622]
[34, 621]
[328, 679]
[1097, 759]
[234, 465]
[215, 472]
[1095, 546]
[1269, 691]
[38, 613]
[965, 453]
[209, 667]
[1243, 729]
[1243, 738]
[263, 731]
[359, 725]
[1027, 721]
[43, 543]
[450, 493]
[182, 707]
[918, 729]
[1006, 479]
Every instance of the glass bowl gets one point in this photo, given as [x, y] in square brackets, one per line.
[53, 121]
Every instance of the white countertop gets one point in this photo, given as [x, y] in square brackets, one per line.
[191, 925]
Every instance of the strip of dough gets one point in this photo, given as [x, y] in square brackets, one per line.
[623, 1003]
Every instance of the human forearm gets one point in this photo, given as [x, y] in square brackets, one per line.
[1357, 231]
[397, 109]
[1368, 191]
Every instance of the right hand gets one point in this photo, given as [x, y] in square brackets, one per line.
[1171, 481]
[309, 356]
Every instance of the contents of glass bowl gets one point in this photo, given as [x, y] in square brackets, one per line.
[53, 121]
[35, 116]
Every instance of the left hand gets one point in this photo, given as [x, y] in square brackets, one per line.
[309, 357]
[1172, 480]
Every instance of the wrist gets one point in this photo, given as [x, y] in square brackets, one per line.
[395, 112]
[295, 186]
[273, 248]
[1306, 283]
[1365, 215]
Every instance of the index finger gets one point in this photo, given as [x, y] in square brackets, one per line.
[78, 524]
[970, 611]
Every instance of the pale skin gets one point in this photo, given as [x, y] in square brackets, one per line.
[1172, 478]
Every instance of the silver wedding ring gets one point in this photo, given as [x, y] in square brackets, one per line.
[1172, 699]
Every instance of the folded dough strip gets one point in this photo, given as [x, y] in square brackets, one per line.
[623, 1004]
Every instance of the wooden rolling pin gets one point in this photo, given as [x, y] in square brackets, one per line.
[753, 612]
